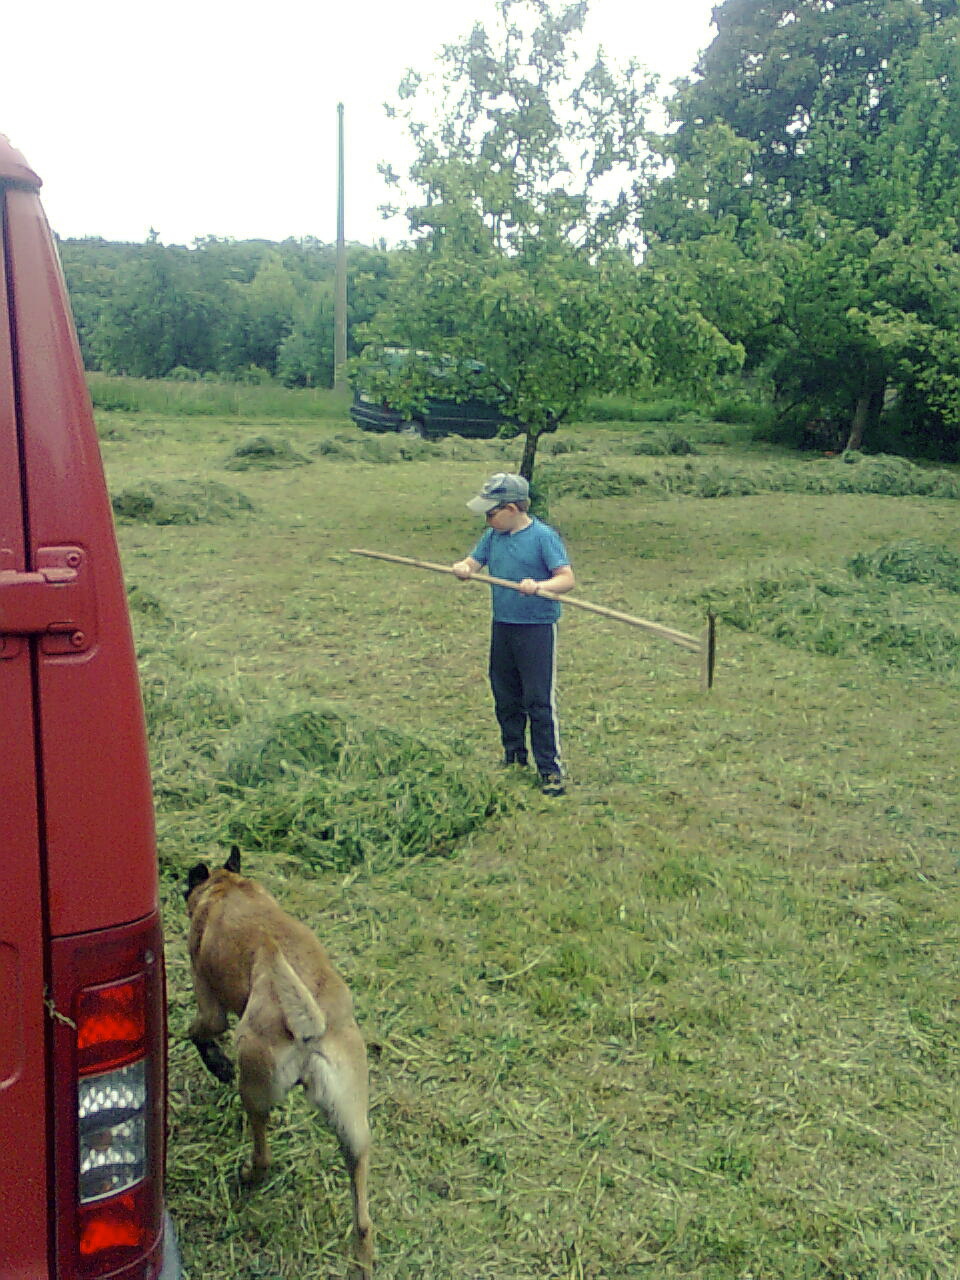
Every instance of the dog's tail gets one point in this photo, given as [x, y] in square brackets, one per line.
[305, 1019]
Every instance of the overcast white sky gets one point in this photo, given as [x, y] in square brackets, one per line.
[200, 117]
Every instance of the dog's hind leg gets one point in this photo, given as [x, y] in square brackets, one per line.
[259, 1094]
[337, 1083]
[210, 1022]
[356, 1155]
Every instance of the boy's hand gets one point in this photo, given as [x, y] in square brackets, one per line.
[529, 586]
[463, 569]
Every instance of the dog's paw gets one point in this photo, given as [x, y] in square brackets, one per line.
[224, 1071]
[217, 1062]
[251, 1174]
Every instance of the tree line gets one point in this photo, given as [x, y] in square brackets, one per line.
[814, 197]
[250, 309]
[795, 223]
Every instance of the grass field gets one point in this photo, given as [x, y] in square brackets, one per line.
[699, 1018]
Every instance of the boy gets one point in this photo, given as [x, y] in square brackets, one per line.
[521, 548]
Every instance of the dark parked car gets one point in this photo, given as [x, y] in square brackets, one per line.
[477, 417]
[83, 1041]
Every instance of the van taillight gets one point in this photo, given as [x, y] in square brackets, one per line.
[116, 1115]
[111, 1025]
[112, 1089]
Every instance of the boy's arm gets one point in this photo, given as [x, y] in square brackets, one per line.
[560, 581]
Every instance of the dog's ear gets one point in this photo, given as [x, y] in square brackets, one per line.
[233, 862]
[196, 875]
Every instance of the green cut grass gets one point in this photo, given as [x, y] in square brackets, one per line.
[854, 613]
[731, 474]
[695, 1021]
[193, 501]
[264, 452]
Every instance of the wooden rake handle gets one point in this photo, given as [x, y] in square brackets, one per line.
[706, 647]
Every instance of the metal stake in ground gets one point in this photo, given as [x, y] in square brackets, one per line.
[706, 647]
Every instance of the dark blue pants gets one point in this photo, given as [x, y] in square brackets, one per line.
[523, 679]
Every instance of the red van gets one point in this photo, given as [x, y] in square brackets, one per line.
[82, 1001]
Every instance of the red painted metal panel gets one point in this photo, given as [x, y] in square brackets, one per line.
[13, 167]
[24, 1125]
[88, 961]
[99, 833]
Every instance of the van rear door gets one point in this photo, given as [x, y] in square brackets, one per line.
[83, 1036]
[24, 1116]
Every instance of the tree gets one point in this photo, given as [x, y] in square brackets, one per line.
[221, 306]
[264, 312]
[841, 192]
[704, 218]
[305, 357]
[156, 317]
[777, 68]
[90, 267]
[522, 261]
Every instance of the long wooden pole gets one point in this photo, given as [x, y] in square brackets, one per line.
[340, 283]
[666, 633]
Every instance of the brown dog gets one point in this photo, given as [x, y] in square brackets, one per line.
[296, 1021]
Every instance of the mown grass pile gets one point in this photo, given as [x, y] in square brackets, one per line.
[322, 782]
[264, 452]
[361, 446]
[743, 477]
[198, 501]
[911, 561]
[335, 791]
[866, 609]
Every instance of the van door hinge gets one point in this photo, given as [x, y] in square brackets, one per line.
[54, 602]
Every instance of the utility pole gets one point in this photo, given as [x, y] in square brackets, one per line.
[340, 296]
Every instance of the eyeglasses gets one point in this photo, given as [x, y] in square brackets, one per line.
[493, 510]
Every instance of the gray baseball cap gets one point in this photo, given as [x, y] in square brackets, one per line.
[501, 488]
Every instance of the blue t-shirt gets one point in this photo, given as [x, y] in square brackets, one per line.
[534, 552]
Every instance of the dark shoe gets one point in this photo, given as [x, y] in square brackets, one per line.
[551, 784]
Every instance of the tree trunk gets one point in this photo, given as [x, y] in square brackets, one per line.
[867, 413]
[530, 441]
[859, 423]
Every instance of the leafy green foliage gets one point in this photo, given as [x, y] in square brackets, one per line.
[521, 263]
[813, 194]
[155, 318]
[247, 310]
[775, 70]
